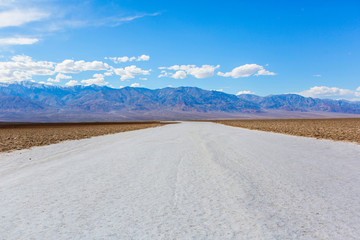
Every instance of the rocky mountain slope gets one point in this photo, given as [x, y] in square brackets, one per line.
[32, 99]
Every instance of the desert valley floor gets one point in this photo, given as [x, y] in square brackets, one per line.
[193, 180]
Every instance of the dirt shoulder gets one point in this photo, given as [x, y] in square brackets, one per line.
[343, 129]
[24, 135]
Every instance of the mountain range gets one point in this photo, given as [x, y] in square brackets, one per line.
[29, 101]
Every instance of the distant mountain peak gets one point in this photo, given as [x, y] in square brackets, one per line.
[34, 98]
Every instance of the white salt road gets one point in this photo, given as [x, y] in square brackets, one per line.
[183, 181]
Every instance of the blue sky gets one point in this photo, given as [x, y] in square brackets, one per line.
[262, 47]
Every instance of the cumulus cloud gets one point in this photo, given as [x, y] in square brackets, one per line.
[245, 92]
[121, 59]
[179, 75]
[97, 80]
[108, 73]
[72, 83]
[202, 72]
[71, 66]
[182, 71]
[264, 72]
[129, 59]
[23, 68]
[136, 85]
[59, 77]
[246, 70]
[163, 74]
[18, 41]
[16, 17]
[332, 93]
[130, 72]
[143, 58]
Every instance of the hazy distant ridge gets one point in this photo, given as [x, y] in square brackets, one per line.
[33, 98]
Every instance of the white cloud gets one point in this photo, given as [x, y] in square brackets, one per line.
[116, 21]
[120, 59]
[109, 73]
[179, 75]
[72, 83]
[143, 58]
[71, 66]
[21, 58]
[264, 72]
[18, 41]
[17, 17]
[23, 68]
[246, 71]
[50, 16]
[332, 93]
[97, 80]
[245, 92]
[59, 77]
[202, 72]
[136, 85]
[182, 71]
[128, 59]
[130, 72]
[60, 23]
[163, 73]
[144, 79]
[317, 75]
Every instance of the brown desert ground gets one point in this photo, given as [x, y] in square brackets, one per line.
[27, 135]
[339, 129]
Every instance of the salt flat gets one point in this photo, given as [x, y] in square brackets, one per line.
[184, 181]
